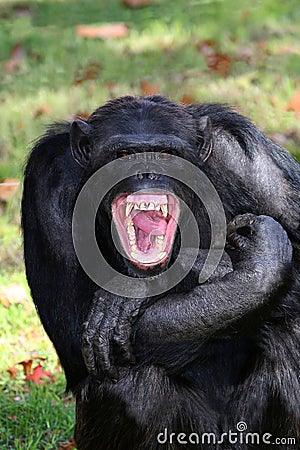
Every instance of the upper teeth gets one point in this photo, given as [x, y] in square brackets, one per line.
[143, 206]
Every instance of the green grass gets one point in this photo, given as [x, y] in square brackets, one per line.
[162, 48]
[35, 418]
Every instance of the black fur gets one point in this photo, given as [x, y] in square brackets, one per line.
[206, 356]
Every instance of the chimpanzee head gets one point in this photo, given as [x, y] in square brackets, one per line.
[145, 206]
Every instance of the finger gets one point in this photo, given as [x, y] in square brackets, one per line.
[102, 342]
[122, 340]
[122, 332]
[88, 355]
[102, 351]
[237, 241]
[240, 221]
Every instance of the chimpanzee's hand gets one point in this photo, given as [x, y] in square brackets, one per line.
[109, 325]
[260, 244]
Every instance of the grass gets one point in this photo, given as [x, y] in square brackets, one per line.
[36, 417]
[50, 73]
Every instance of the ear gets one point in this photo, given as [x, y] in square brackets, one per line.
[205, 139]
[80, 141]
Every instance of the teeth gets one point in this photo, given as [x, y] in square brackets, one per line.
[164, 209]
[133, 247]
[160, 242]
[143, 206]
[129, 207]
[161, 255]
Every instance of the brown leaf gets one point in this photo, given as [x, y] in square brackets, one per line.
[15, 59]
[215, 60]
[12, 417]
[90, 72]
[82, 115]
[109, 31]
[67, 445]
[136, 3]
[38, 374]
[187, 99]
[27, 364]
[8, 188]
[149, 88]
[42, 110]
[14, 293]
[22, 10]
[12, 371]
[294, 103]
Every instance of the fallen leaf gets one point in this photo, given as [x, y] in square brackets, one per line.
[81, 115]
[14, 293]
[149, 88]
[294, 103]
[67, 445]
[15, 59]
[215, 60]
[90, 72]
[187, 99]
[110, 84]
[22, 11]
[286, 49]
[12, 417]
[109, 31]
[8, 188]
[137, 3]
[27, 364]
[42, 110]
[38, 374]
[12, 371]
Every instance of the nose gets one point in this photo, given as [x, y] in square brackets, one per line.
[147, 176]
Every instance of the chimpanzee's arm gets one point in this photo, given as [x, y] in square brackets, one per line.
[181, 320]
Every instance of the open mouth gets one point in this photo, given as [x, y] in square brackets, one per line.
[146, 224]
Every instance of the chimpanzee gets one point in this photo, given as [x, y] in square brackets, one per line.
[194, 364]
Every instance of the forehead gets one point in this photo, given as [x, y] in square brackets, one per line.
[142, 117]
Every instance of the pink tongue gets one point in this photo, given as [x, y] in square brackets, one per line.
[148, 222]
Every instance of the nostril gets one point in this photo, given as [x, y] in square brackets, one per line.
[152, 176]
[140, 175]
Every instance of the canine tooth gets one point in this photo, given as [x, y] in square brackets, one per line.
[129, 207]
[164, 209]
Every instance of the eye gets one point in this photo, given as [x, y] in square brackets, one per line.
[165, 154]
[122, 154]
